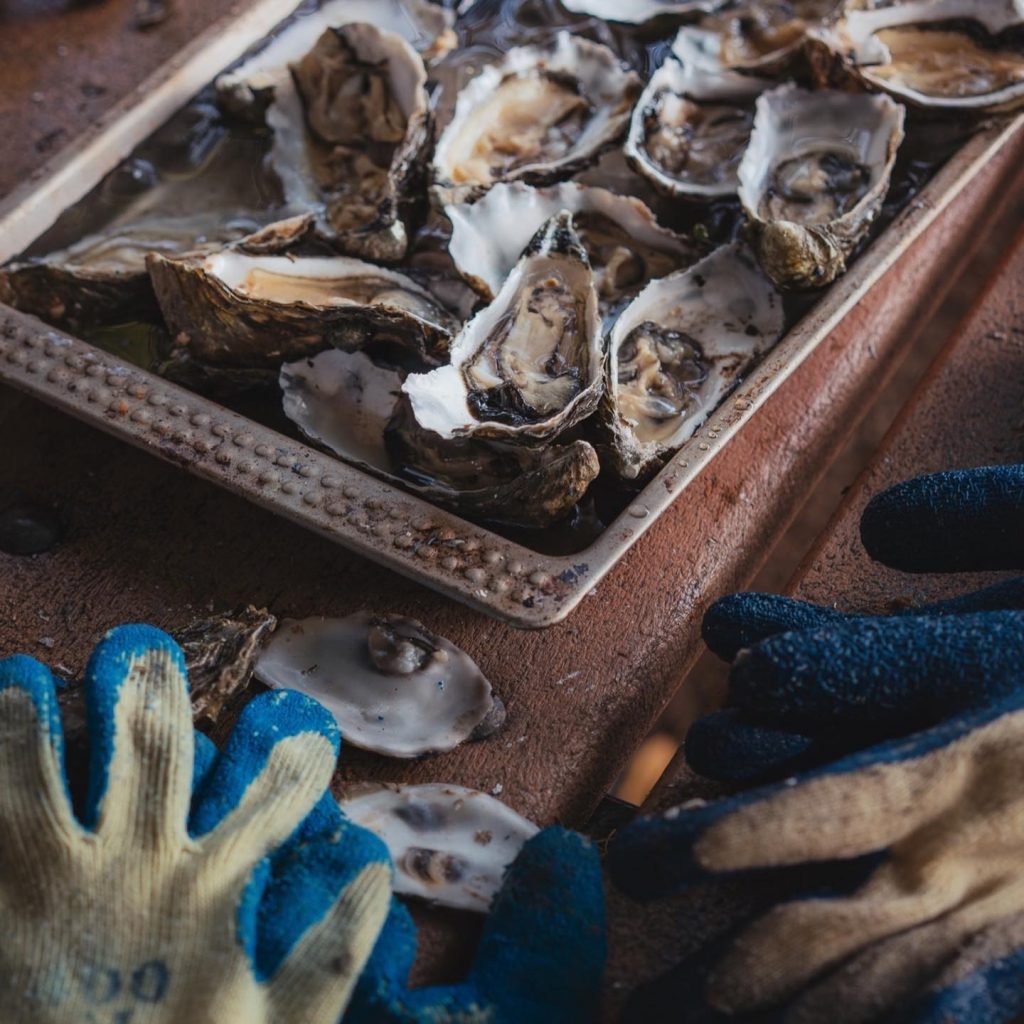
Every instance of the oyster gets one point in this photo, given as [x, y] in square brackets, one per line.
[693, 121]
[537, 115]
[350, 404]
[233, 309]
[814, 177]
[678, 348]
[529, 364]
[624, 242]
[945, 54]
[636, 12]
[449, 844]
[392, 686]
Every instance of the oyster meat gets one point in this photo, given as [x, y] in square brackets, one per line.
[529, 364]
[678, 348]
[537, 115]
[234, 309]
[450, 845]
[624, 242]
[693, 121]
[814, 177]
[392, 686]
[941, 54]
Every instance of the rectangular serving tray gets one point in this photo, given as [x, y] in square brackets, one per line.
[434, 547]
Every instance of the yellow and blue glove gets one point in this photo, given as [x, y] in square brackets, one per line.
[190, 885]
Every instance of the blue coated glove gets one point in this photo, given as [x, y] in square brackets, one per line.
[923, 838]
[190, 885]
[809, 684]
[541, 956]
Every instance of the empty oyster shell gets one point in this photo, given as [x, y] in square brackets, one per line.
[678, 348]
[537, 115]
[636, 12]
[529, 364]
[230, 308]
[941, 54]
[392, 685]
[814, 177]
[449, 844]
[348, 403]
[693, 121]
[624, 242]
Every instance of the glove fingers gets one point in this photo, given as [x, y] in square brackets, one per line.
[34, 804]
[275, 767]
[742, 620]
[141, 738]
[727, 746]
[956, 521]
[1007, 595]
[882, 675]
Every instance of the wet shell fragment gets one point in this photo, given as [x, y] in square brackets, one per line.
[678, 348]
[537, 115]
[392, 685]
[450, 845]
[636, 12]
[814, 177]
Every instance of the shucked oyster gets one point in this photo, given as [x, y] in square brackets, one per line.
[624, 242]
[352, 405]
[392, 685]
[529, 364]
[233, 309]
[693, 121]
[537, 115]
[678, 348]
[814, 177]
[947, 54]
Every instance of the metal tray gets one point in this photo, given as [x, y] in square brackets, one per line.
[465, 561]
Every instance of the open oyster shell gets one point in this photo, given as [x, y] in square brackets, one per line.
[392, 686]
[234, 309]
[449, 844]
[938, 54]
[350, 404]
[677, 349]
[693, 121]
[537, 115]
[814, 177]
[624, 242]
[529, 364]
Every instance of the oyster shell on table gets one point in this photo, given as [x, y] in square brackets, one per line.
[353, 406]
[392, 686]
[528, 365]
[626, 245]
[230, 308]
[537, 115]
[964, 55]
[814, 177]
[636, 12]
[449, 844]
[693, 121]
[678, 348]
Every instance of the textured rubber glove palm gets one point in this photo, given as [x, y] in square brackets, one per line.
[936, 932]
[160, 906]
[541, 955]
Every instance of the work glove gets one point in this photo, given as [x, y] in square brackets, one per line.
[930, 826]
[540, 959]
[809, 684]
[154, 903]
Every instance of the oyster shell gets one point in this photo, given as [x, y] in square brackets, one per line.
[636, 12]
[814, 177]
[392, 686]
[537, 115]
[624, 242]
[449, 844]
[693, 121]
[233, 309]
[678, 348]
[940, 54]
[529, 364]
[352, 405]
